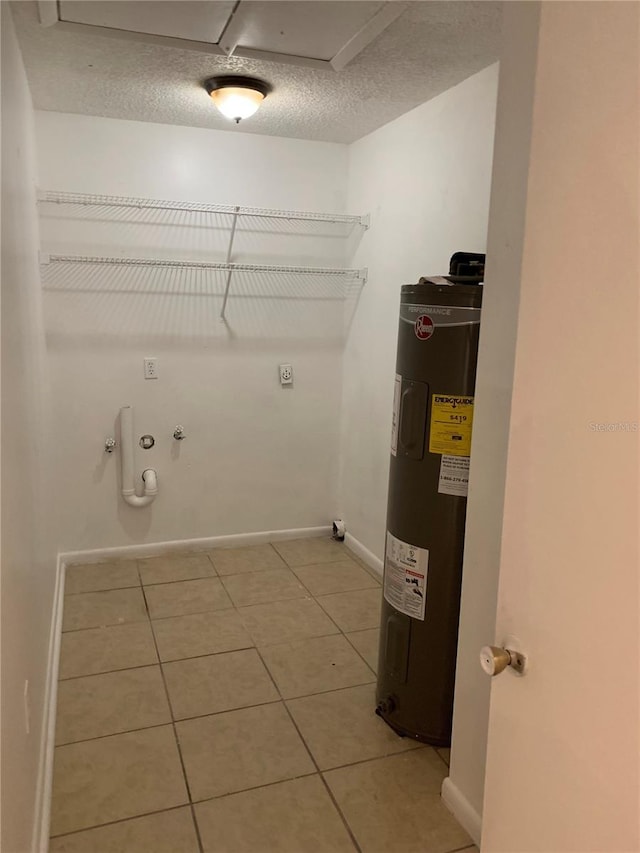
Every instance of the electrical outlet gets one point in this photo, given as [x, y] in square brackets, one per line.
[151, 368]
[286, 374]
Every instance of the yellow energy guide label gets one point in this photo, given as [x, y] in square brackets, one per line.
[451, 422]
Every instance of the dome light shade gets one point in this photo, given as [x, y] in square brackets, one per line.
[237, 97]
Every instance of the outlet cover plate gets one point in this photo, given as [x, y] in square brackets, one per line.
[286, 374]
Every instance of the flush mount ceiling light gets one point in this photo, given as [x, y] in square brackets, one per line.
[237, 97]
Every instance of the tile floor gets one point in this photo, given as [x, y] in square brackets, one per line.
[222, 702]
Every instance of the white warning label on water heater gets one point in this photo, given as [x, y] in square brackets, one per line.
[454, 475]
[405, 577]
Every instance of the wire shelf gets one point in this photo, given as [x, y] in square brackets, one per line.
[52, 197]
[320, 283]
[204, 265]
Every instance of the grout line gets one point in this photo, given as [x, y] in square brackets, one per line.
[225, 711]
[256, 787]
[175, 735]
[341, 813]
[419, 746]
[169, 722]
[210, 558]
[106, 589]
[110, 671]
[179, 580]
[284, 565]
[109, 625]
[326, 692]
[342, 630]
[153, 619]
[311, 756]
[313, 562]
[122, 820]
[191, 613]
[358, 652]
[285, 642]
[209, 654]
[446, 763]
[196, 827]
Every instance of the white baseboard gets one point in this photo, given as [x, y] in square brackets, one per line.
[462, 809]
[42, 814]
[236, 540]
[365, 554]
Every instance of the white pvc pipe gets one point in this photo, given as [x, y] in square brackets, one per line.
[149, 477]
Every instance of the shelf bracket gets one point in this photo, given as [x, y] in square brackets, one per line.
[365, 221]
[236, 212]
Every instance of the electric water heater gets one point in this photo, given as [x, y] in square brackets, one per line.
[428, 481]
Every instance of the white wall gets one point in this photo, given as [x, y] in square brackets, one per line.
[425, 178]
[256, 457]
[491, 421]
[28, 558]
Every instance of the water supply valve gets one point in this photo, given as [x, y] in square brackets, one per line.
[178, 433]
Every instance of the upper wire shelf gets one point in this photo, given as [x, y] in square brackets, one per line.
[48, 196]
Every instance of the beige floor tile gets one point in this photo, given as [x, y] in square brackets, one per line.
[216, 683]
[255, 558]
[353, 611]
[394, 804]
[99, 576]
[164, 832]
[376, 575]
[200, 634]
[342, 727]
[98, 705]
[284, 621]
[103, 649]
[96, 609]
[175, 567]
[367, 643]
[341, 576]
[290, 817]
[241, 749]
[445, 754]
[184, 597]
[306, 552]
[116, 777]
[263, 587]
[315, 666]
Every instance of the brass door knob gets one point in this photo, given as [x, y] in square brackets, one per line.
[495, 660]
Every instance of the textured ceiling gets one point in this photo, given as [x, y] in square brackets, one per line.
[432, 46]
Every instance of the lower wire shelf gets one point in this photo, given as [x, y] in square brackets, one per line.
[50, 262]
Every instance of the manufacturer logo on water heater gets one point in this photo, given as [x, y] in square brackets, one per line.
[423, 327]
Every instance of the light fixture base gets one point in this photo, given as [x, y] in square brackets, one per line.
[237, 81]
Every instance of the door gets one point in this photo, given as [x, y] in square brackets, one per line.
[563, 756]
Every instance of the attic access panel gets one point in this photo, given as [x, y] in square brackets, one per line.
[320, 33]
[310, 30]
[196, 20]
